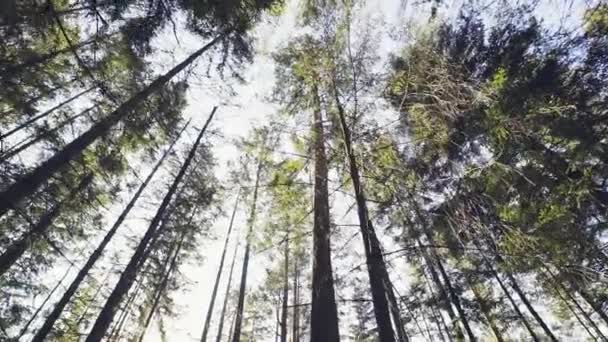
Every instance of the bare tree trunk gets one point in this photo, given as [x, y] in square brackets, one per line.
[25, 143]
[595, 305]
[98, 252]
[238, 320]
[520, 315]
[115, 333]
[29, 183]
[126, 279]
[163, 285]
[296, 311]
[44, 114]
[485, 310]
[529, 306]
[43, 304]
[219, 271]
[285, 293]
[17, 248]
[376, 266]
[225, 305]
[324, 313]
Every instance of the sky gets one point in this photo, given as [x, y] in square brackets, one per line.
[249, 107]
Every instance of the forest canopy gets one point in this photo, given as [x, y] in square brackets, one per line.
[322, 170]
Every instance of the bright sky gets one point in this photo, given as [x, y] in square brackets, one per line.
[247, 108]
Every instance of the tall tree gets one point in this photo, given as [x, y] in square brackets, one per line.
[52, 317]
[219, 270]
[126, 279]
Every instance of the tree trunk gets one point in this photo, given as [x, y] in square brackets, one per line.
[295, 331]
[376, 267]
[506, 292]
[9, 72]
[35, 99]
[25, 143]
[117, 329]
[28, 184]
[448, 284]
[515, 306]
[595, 305]
[225, 304]
[219, 271]
[485, 310]
[126, 278]
[43, 304]
[98, 252]
[324, 313]
[17, 248]
[285, 293]
[238, 320]
[529, 306]
[44, 114]
[163, 284]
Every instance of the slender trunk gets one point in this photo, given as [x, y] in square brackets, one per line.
[35, 99]
[17, 248]
[376, 267]
[28, 184]
[117, 329]
[597, 307]
[443, 295]
[43, 304]
[569, 306]
[508, 294]
[238, 319]
[285, 293]
[126, 278]
[529, 306]
[98, 252]
[219, 271]
[396, 312]
[449, 290]
[44, 114]
[296, 311]
[225, 304]
[559, 285]
[485, 310]
[25, 143]
[515, 306]
[162, 286]
[11, 71]
[430, 259]
[454, 297]
[324, 313]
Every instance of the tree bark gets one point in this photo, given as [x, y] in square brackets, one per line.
[219, 271]
[285, 293]
[128, 275]
[506, 292]
[43, 304]
[28, 184]
[25, 143]
[485, 310]
[163, 285]
[225, 305]
[376, 266]
[17, 248]
[238, 320]
[324, 313]
[44, 114]
[295, 331]
[595, 305]
[529, 306]
[11, 71]
[98, 252]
